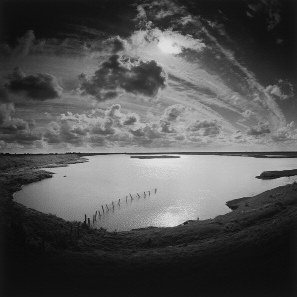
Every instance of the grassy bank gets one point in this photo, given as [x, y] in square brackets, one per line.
[250, 251]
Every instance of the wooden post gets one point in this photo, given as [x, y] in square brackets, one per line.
[138, 195]
[155, 191]
[149, 193]
[126, 198]
[102, 208]
[119, 202]
[85, 219]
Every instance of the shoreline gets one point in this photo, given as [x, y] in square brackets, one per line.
[255, 235]
[277, 174]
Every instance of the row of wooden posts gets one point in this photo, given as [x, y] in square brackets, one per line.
[101, 212]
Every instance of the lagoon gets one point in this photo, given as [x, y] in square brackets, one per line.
[165, 191]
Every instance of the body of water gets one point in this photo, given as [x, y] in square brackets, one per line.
[152, 192]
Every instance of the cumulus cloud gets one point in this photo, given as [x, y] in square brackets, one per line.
[166, 127]
[286, 133]
[104, 128]
[113, 127]
[65, 131]
[124, 74]
[117, 44]
[205, 128]
[172, 112]
[262, 128]
[16, 130]
[99, 127]
[131, 119]
[40, 87]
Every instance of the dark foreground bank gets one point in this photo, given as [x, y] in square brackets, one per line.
[250, 251]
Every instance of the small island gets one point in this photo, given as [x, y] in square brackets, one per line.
[277, 174]
[155, 157]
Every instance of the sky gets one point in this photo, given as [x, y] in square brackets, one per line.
[148, 76]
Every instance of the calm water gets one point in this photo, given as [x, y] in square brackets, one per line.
[187, 188]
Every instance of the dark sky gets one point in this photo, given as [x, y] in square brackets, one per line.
[148, 75]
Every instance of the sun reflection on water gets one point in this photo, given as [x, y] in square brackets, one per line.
[172, 216]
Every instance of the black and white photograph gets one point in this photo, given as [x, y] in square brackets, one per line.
[148, 148]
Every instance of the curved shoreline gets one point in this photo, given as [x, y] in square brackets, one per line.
[251, 242]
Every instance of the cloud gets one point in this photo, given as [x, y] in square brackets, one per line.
[270, 9]
[282, 90]
[262, 128]
[124, 74]
[5, 112]
[104, 128]
[237, 135]
[173, 112]
[223, 88]
[205, 128]
[65, 131]
[110, 127]
[157, 11]
[99, 127]
[167, 41]
[286, 133]
[166, 127]
[40, 87]
[131, 119]
[248, 114]
[3, 94]
[113, 127]
[24, 44]
[16, 130]
[117, 44]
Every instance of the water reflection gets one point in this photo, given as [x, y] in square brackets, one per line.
[172, 216]
[109, 209]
